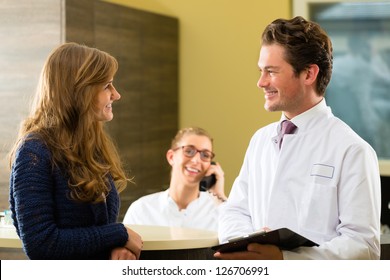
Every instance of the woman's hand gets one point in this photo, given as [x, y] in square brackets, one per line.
[134, 243]
[218, 189]
[122, 253]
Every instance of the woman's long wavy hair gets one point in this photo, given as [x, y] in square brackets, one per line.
[63, 115]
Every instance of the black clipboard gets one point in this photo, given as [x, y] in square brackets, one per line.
[284, 238]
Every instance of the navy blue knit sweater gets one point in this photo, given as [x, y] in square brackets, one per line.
[49, 223]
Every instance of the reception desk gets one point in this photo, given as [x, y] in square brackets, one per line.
[10, 244]
[166, 243]
[160, 243]
[172, 243]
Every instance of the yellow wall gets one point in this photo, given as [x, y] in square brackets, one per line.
[219, 45]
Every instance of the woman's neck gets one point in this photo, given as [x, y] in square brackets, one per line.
[183, 195]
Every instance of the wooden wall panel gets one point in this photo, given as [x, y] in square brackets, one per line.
[79, 21]
[29, 30]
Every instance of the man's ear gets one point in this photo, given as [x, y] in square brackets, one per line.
[169, 156]
[311, 74]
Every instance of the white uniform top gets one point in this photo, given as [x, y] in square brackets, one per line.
[324, 183]
[159, 209]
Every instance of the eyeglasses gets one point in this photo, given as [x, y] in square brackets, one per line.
[190, 151]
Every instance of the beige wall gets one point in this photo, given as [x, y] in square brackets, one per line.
[219, 45]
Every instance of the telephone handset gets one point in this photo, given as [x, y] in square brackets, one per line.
[207, 182]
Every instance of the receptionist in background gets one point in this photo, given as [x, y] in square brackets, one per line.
[183, 204]
[66, 173]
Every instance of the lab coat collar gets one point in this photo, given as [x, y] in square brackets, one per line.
[165, 199]
[309, 119]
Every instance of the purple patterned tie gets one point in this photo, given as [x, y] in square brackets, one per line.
[287, 128]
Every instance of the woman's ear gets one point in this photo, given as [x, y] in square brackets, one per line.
[169, 155]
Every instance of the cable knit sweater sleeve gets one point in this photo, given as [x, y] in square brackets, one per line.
[49, 223]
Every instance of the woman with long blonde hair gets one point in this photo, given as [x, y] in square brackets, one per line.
[66, 173]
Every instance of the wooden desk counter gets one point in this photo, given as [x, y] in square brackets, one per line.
[174, 238]
[9, 238]
[163, 243]
[159, 243]
[10, 244]
[173, 243]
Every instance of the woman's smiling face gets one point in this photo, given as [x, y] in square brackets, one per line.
[190, 170]
[105, 97]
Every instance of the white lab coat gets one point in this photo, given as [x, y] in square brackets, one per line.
[324, 183]
[160, 209]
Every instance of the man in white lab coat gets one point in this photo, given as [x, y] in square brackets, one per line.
[322, 181]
